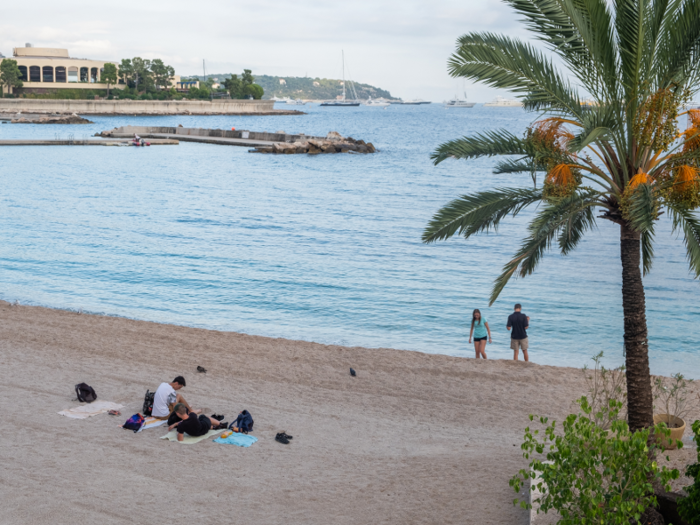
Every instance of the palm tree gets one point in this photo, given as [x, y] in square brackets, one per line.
[618, 156]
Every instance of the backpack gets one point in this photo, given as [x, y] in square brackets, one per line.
[148, 403]
[134, 423]
[244, 422]
[85, 393]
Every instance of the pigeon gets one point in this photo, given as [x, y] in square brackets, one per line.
[201, 369]
[352, 372]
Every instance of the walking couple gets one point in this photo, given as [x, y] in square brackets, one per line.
[518, 322]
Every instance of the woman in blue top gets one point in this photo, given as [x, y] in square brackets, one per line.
[480, 327]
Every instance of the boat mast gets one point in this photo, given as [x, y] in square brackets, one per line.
[343, 54]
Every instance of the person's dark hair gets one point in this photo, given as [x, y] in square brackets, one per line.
[180, 408]
[474, 316]
[180, 380]
[518, 306]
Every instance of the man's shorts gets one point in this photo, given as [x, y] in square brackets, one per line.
[516, 344]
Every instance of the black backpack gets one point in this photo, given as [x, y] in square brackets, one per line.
[85, 393]
[148, 403]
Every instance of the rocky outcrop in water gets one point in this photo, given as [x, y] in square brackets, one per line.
[333, 143]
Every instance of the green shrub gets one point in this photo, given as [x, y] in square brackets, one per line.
[590, 475]
[689, 508]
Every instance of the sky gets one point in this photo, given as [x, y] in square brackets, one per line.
[399, 45]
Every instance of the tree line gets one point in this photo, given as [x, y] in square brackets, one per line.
[149, 80]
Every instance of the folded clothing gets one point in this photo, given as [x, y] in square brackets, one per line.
[172, 436]
[152, 422]
[241, 440]
[94, 408]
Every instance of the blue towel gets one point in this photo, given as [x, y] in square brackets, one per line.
[242, 440]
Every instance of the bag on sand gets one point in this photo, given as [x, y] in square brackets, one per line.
[148, 403]
[134, 423]
[244, 422]
[85, 393]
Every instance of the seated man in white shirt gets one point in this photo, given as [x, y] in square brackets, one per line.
[166, 397]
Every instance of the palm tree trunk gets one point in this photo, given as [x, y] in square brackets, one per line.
[639, 398]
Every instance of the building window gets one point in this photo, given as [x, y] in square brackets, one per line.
[93, 75]
[23, 73]
[34, 74]
[72, 74]
[83, 74]
[48, 74]
[60, 74]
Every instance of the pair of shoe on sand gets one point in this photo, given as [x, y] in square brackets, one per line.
[283, 437]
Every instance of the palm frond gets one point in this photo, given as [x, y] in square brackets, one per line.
[581, 32]
[629, 25]
[679, 47]
[549, 222]
[488, 144]
[507, 63]
[572, 232]
[687, 222]
[517, 166]
[482, 211]
[643, 209]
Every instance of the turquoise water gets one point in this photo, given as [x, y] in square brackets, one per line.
[321, 248]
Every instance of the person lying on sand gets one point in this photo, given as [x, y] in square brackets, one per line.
[166, 397]
[191, 423]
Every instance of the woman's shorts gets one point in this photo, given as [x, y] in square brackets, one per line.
[479, 339]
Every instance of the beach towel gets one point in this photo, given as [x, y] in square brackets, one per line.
[172, 436]
[241, 440]
[94, 408]
[152, 422]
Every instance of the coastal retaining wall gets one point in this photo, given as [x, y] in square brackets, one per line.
[138, 107]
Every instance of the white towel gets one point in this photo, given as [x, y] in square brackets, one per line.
[91, 409]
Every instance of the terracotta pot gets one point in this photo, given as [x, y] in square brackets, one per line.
[676, 433]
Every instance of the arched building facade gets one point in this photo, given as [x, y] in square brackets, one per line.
[45, 70]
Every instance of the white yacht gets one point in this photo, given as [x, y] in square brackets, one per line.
[459, 103]
[501, 102]
[296, 102]
[416, 102]
[377, 102]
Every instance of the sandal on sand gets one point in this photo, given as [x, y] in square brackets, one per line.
[223, 424]
[201, 369]
[218, 417]
[281, 438]
[114, 413]
[284, 433]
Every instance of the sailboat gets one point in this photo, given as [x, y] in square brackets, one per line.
[343, 102]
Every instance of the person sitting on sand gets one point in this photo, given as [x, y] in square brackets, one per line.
[191, 423]
[166, 396]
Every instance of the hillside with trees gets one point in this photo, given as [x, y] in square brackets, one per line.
[309, 88]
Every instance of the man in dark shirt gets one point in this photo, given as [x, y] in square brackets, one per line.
[519, 323]
[194, 424]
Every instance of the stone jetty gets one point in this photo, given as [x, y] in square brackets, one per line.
[50, 119]
[261, 141]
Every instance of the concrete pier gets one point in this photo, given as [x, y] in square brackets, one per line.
[86, 142]
[208, 136]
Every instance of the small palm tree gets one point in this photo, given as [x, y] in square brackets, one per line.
[618, 156]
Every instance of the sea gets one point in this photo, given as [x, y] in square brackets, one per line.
[323, 248]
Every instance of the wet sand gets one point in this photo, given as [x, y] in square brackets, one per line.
[414, 438]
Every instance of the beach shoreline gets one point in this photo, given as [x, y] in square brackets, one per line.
[414, 438]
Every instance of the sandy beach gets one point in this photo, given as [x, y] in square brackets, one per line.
[414, 438]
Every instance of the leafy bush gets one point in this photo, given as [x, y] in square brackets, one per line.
[605, 385]
[672, 396]
[591, 475]
[689, 508]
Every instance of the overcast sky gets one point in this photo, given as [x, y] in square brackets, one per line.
[399, 45]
